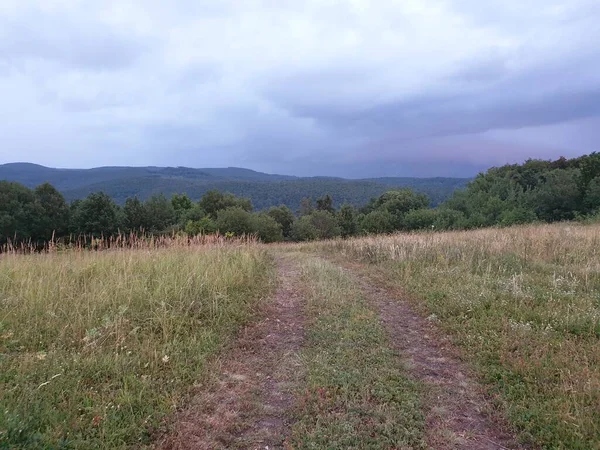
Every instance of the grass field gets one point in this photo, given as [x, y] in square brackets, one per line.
[97, 348]
[523, 303]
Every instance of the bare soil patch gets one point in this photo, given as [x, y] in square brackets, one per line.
[247, 404]
[458, 413]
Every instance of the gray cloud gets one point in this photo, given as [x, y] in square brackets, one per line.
[67, 40]
[351, 88]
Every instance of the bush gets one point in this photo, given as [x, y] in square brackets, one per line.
[234, 220]
[326, 224]
[266, 228]
[303, 230]
[284, 217]
[450, 219]
[203, 226]
[377, 222]
[420, 219]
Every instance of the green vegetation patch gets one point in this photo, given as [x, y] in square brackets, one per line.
[357, 394]
[524, 304]
[98, 348]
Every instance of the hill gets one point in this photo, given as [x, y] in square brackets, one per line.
[263, 189]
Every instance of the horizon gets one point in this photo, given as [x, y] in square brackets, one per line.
[272, 173]
[352, 89]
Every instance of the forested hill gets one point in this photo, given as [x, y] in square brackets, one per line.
[263, 189]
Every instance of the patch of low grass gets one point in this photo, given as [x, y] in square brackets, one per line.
[98, 348]
[357, 394]
[523, 303]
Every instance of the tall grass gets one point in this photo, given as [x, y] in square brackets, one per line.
[122, 241]
[97, 348]
[523, 302]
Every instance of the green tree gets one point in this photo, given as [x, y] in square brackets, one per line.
[54, 217]
[205, 225]
[21, 214]
[450, 219]
[235, 220]
[420, 219]
[325, 203]
[96, 215]
[378, 221]
[592, 195]
[284, 217]
[194, 214]
[399, 202]
[304, 230]
[214, 201]
[306, 207]
[516, 216]
[347, 220]
[266, 228]
[160, 213]
[135, 216]
[326, 224]
[558, 197]
[181, 204]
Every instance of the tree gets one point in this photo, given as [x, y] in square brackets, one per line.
[21, 214]
[326, 224]
[449, 219]
[205, 225]
[592, 195]
[181, 204]
[266, 228]
[347, 220]
[54, 217]
[214, 201]
[135, 217]
[195, 213]
[589, 169]
[96, 215]
[420, 219]
[303, 229]
[325, 203]
[399, 202]
[160, 213]
[234, 220]
[284, 217]
[558, 197]
[306, 207]
[379, 221]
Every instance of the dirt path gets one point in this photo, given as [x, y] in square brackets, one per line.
[458, 414]
[247, 404]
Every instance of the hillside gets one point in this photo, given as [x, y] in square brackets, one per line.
[263, 189]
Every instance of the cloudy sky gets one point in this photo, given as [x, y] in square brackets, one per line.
[348, 87]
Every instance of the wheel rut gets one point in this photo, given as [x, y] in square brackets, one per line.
[459, 416]
[247, 404]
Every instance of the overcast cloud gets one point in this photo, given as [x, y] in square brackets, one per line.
[350, 87]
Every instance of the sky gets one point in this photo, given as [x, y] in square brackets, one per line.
[354, 88]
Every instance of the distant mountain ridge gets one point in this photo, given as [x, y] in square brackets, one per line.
[265, 190]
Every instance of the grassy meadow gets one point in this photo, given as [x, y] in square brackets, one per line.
[98, 348]
[524, 305]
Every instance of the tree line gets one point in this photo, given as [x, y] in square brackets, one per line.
[537, 190]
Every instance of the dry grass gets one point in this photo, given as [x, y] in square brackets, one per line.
[97, 348]
[523, 303]
[123, 241]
